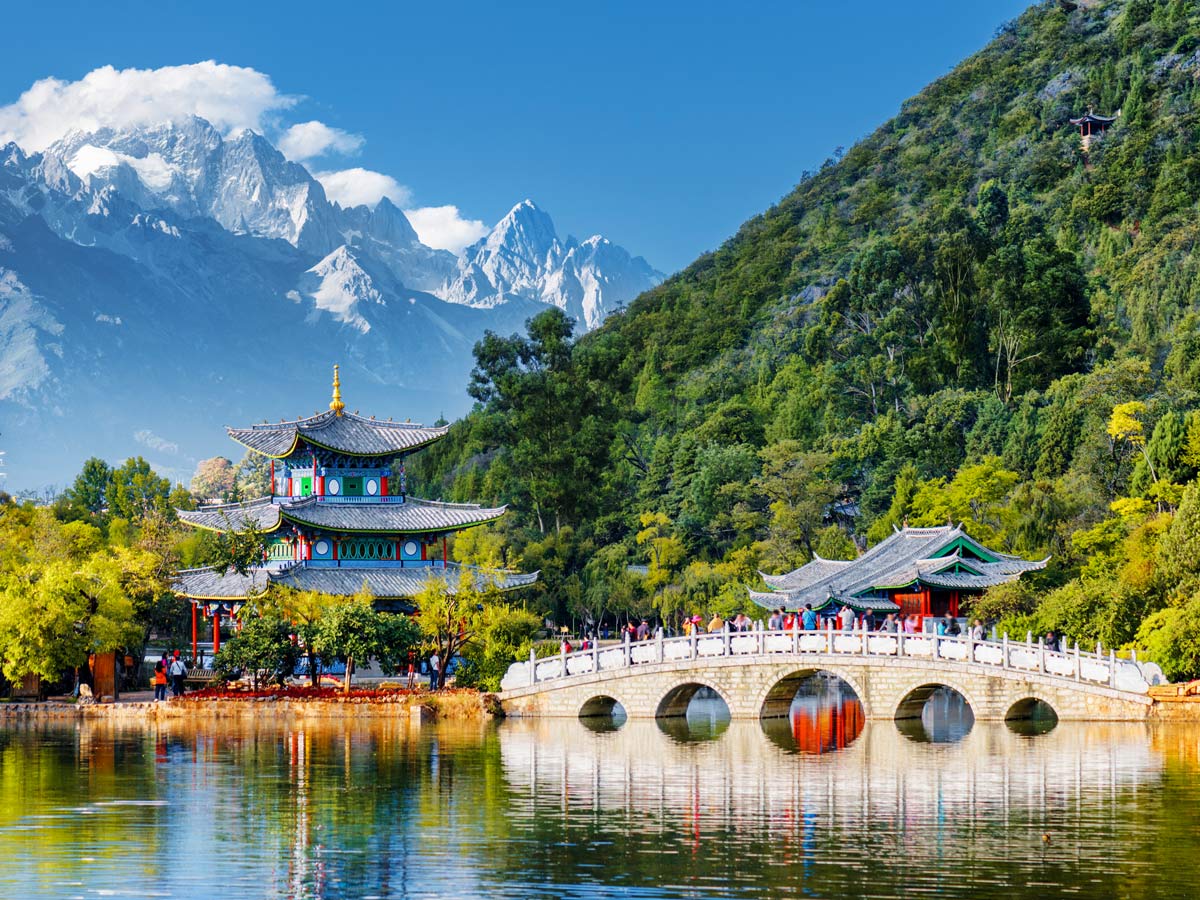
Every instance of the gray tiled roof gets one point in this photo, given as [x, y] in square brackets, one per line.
[263, 513]
[390, 582]
[411, 517]
[776, 599]
[347, 433]
[394, 582]
[903, 558]
[209, 584]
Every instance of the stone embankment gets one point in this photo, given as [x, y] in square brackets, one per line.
[417, 706]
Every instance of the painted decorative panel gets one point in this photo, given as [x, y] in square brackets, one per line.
[367, 549]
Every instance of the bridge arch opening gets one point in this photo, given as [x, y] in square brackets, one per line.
[934, 714]
[1031, 716]
[692, 711]
[812, 711]
[603, 713]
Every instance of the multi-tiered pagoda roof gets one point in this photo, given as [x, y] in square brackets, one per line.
[338, 515]
[922, 570]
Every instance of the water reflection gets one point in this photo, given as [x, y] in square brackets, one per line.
[825, 715]
[705, 718]
[945, 718]
[552, 809]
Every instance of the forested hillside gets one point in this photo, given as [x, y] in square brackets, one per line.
[962, 317]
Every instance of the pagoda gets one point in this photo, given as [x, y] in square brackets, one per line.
[336, 518]
[914, 571]
[1092, 125]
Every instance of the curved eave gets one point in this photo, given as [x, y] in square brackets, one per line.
[188, 518]
[233, 434]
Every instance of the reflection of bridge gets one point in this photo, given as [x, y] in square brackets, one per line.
[757, 675]
[882, 778]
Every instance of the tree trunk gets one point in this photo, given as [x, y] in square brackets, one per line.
[346, 681]
[312, 667]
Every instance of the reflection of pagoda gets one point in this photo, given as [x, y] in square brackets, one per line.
[336, 519]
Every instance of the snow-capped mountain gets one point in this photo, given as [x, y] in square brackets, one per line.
[158, 282]
[523, 257]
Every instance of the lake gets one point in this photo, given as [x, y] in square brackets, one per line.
[821, 804]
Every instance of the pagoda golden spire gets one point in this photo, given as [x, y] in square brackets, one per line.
[336, 403]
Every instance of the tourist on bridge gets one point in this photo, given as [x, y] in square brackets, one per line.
[775, 623]
[716, 624]
[741, 622]
[911, 621]
[977, 630]
[846, 616]
[643, 631]
[808, 619]
[697, 625]
[868, 621]
[891, 624]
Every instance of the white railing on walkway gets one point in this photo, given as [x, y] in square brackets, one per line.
[1096, 668]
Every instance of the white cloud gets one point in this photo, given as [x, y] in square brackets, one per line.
[311, 139]
[154, 442]
[229, 97]
[355, 187]
[442, 228]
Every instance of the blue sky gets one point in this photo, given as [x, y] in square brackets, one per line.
[662, 126]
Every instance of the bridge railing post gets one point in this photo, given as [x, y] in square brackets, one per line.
[795, 639]
[659, 639]
[864, 639]
[1042, 655]
[937, 648]
[726, 650]
[628, 651]
[1078, 676]
[1112, 667]
[694, 639]
[595, 656]
[900, 642]
[532, 666]
[562, 655]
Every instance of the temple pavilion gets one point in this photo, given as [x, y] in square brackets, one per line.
[1092, 125]
[921, 571]
[337, 518]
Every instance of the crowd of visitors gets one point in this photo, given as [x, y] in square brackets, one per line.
[807, 619]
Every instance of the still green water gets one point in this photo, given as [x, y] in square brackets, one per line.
[820, 806]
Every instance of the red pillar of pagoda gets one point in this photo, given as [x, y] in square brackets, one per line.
[383, 486]
[272, 478]
[216, 631]
[195, 654]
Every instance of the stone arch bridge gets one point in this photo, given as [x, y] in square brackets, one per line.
[757, 675]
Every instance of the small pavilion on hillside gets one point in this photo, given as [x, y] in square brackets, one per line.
[921, 571]
[1092, 125]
